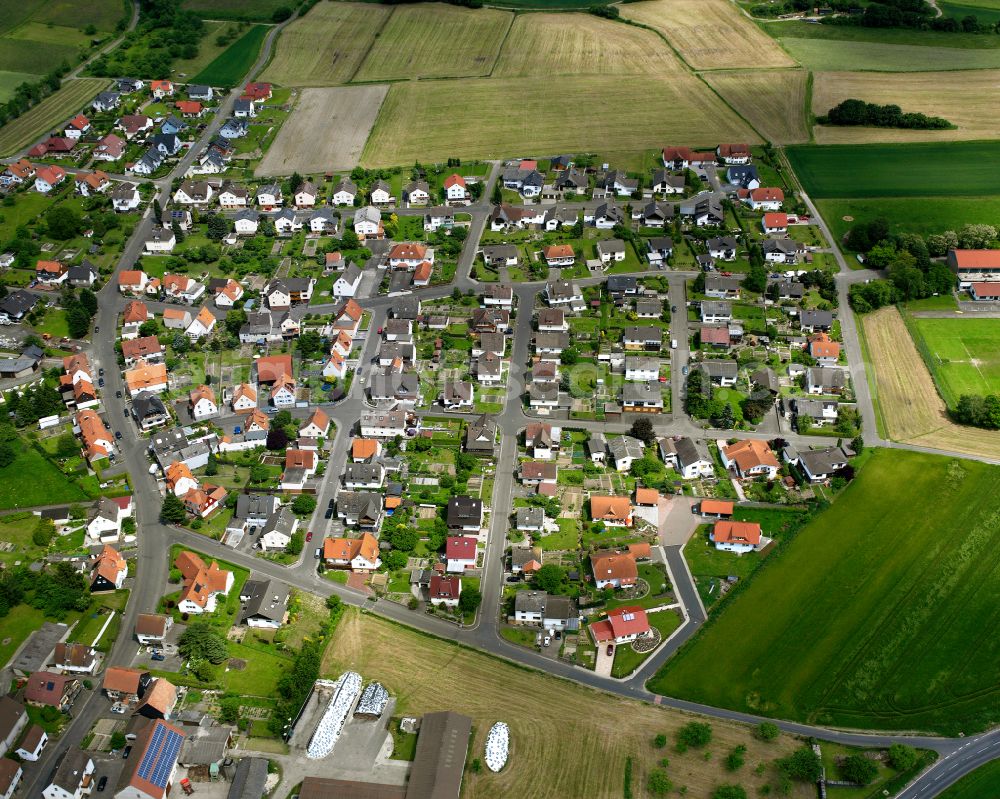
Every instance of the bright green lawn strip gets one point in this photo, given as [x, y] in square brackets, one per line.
[879, 615]
[568, 536]
[921, 215]
[946, 169]
[9, 81]
[232, 64]
[828, 55]
[984, 781]
[23, 55]
[856, 33]
[953, 345]
[942, 302]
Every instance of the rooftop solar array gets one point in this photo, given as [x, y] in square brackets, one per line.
[160, 756]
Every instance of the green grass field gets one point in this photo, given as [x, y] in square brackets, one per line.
[31, 480]
[831, 55]
[983, 782]
[51, 111]
[921, 215]
[257, 11]
[21, 622]
[11, 80]
[24, 55]
[952, 169]
[229, 67]
[880, 614]
[986, 15]
[963, 355]
[891, 36]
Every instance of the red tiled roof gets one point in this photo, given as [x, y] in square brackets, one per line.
[460, 547]
[729, 532]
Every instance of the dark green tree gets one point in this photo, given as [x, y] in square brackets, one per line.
[172, 510]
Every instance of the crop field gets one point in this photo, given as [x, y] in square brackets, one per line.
[921, 215]
[571, 745]
[831, 55]
[710, 34]
[984, 781]
[773, 101]
[985, 15]
[326, 130]
[327, 45]
[581, 44]
[964, 355]
[258, 10]
[909, 407]
[883, 170]
[52, 110]
[235, 61]
[960, 97]
[542, 115]
[433, 40]
[880, 612]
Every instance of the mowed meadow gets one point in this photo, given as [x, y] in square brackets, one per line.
[963, 354]
[881, 613]
[567, 741]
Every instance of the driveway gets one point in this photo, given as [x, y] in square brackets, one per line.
[679, 522]
[604, 661]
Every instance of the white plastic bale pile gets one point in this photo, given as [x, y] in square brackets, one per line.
[497, 746]
[346, 690]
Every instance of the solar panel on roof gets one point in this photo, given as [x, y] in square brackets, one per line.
[165, 762]
[149, 756]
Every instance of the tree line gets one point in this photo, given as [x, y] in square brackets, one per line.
[858, 112]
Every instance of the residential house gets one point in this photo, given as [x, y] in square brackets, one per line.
[160, 240]
[783, 251]
[613, 569]
[362, 509]
[816, 321]
[48, 177]
[455, 189]
[48, 689]
[659, 250]
[13, 720]
[73, 658]
[460, 553]
[151, 773]
[765, 198]
[743, 176]
[823, 349]
[416, 193]
[125, 197]
[822, 464]
[721, 373]
[623, 450]
[542, 440]
[381, 194]
[73, 777]
[344, 192]
[357, 554]
[612, 511]
[825, 380]
[108, 569]
[622, 626]
[265, 604]
[643, 337]
[109, 148]
[750, 458]
[152, 628]
[464, 514]
[202, 584]
[444, 590]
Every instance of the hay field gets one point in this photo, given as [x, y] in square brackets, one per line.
[566, 740]
[773, 101]
[494, 117]
[833, 54]
[581, 44]
[325, 131]
[963, 98]
[710, 34]
[434, 40]
[327, 45]
[906, 398]
[54, 109]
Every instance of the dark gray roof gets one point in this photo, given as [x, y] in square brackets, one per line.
[464, 510]
[823, 461]
[268, 599]
[249, 780]
[35, 653]
[440, 757]
[689, 452]
[255, 505]
[719, 368]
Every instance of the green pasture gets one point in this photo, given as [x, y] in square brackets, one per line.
[880, 613]
[938, 169]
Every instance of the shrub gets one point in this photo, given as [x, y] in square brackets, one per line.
[803, 765]
[658, 783]
[902, 757]
[694, 734]
[660, 741]
[729, 792]
[766, 731]
[735, 759]
[858, 768]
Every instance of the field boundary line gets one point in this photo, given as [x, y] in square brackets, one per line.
[503, 44]
[881, 426]
[368, 52]
[928, 358]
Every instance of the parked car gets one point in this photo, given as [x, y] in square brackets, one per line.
[309, 536]
[611, 649]
[118, 435]
[126, 752]
[102, 783]
[118, 395]
[100, 372]
[157, 656]
[100, 382]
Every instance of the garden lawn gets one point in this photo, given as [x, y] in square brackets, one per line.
[880, 613]
[17, 625]
[963, 355]
[261, 675]
[32, 480]
[946, 169]
[627, 659]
